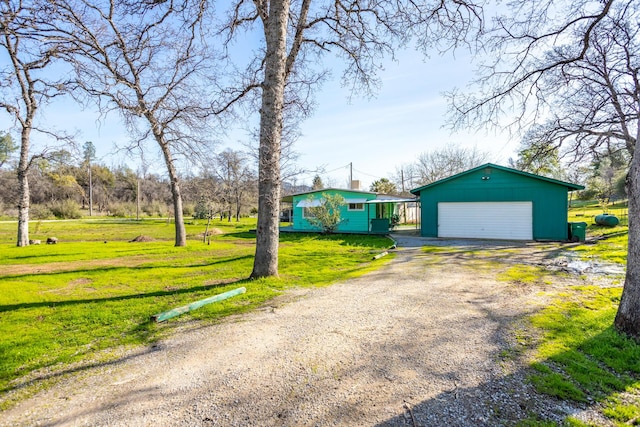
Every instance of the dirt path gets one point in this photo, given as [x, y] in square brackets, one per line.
[418, 342]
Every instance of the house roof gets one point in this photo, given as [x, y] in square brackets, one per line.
[289, 197]
[379, 198]
[570, 186]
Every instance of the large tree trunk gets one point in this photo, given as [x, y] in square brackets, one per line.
[24, 196]
[628, 316]
[181, 233]
[267, 232]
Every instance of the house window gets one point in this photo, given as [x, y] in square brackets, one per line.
[356, 206]
[307, 213]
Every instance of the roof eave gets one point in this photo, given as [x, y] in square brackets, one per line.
[570, 186]
[289, 197]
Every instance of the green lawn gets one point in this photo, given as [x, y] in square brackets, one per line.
[93, 292]
[608, 244]
[578, 354]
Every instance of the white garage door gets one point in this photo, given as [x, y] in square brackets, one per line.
[486, 220]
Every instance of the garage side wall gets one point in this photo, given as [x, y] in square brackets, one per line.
[549, 200]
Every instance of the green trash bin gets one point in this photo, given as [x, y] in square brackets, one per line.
[577, 231]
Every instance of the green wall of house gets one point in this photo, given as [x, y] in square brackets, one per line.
[355, 221]
[549, 199]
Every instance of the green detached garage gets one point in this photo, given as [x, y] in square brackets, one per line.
[495, 202]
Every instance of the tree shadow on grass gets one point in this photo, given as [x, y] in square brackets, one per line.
[51, 373]
[140, 331]
[193, 289]
[494, 395]
[145, 265]
[239, 235]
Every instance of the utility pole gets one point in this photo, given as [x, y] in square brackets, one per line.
[90, 191]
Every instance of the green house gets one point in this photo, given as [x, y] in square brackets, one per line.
[363, 211]
[495, 202]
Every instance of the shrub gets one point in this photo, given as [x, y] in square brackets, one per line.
[203, 209]
[40, 212]
[395, 220]
[8, 211]
[188, 209]
[122, 210]
[327, 215]
[66, 209]
[155, 209]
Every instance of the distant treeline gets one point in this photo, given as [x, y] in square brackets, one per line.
[61, 189]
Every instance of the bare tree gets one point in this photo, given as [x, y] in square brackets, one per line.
[146, 61]
[434, 165]
[406, 177]
[572, 69]
[296, 34]
[237, 178]
[25, 86]
[539, 157]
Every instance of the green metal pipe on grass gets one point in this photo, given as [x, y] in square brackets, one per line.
[161, 317]
[380, 255]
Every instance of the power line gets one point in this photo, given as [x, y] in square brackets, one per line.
[341, 167]
[368, 174]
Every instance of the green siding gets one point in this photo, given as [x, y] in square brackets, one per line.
[355, 221]
[549, 199]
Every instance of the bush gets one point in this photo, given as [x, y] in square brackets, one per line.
[7, 211]
[122, 210]
[40, 212]
[203, 209]
[188, 209]
[66, 209]
[155, 209]
[395, 220]
[327, 216]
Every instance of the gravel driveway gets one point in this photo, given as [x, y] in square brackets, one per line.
[418, 342]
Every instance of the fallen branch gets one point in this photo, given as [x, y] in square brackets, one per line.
[413, 419]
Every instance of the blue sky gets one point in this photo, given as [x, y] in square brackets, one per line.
[404, 119]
